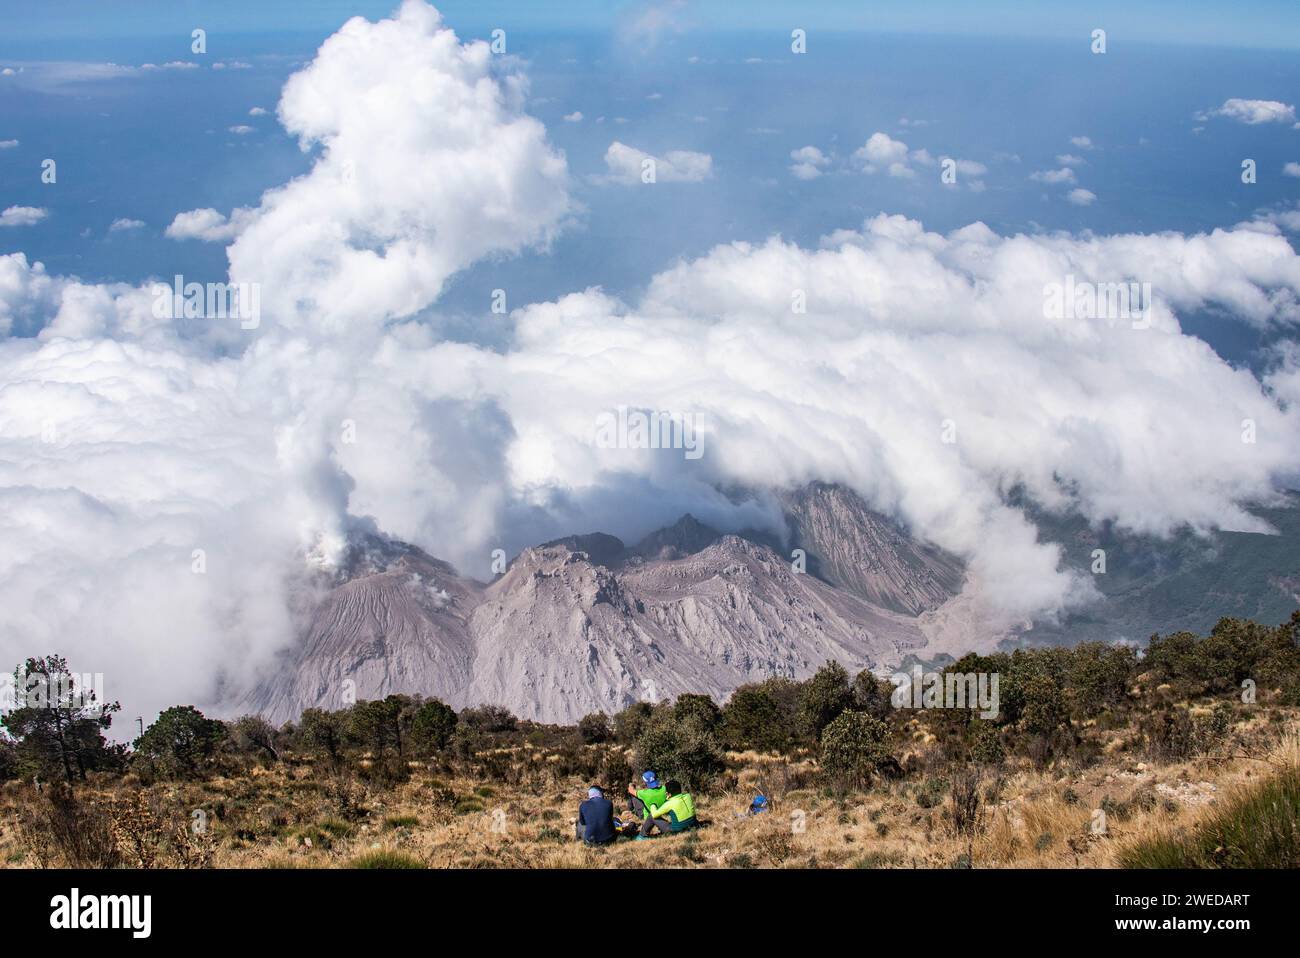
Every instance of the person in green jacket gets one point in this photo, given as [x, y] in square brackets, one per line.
[639, 800]
[676, 814]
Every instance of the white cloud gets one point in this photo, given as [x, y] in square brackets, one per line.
[1082, 142]
[123, 224]
[23, 215]
[626, 165]
[809, 162]
[1081, 197]
[1069, 159]
[1291, 169]
[241, 130]
[8, 144]
[167, 439]
[428, 163]
[892, 305]
[574, 117]
[257, 111]
[209, 225]
[881, 150]
[1063, 175]
[1254, 112]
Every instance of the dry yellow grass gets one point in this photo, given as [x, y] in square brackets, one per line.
[295, 816]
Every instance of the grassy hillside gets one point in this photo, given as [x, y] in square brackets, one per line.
[1185, 757]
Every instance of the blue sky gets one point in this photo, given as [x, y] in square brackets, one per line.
[1259, 23]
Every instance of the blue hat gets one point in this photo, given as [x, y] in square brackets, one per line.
[649, 779]
[595, 792]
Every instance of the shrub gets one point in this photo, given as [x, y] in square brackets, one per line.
[489, 718]
[253, 734]
[1043, 710]
[631, 722]
[615, 771]
[321, 733]
[966, 810]
[823, 697]
[594, 728]
[432, 726]
[1098, 676]
[985, 743]
[872, 695]
[699, 709]
[761, 716]
[853, 747]
[61, 830]
[1175, 734]
[683, 751]
[180, 741]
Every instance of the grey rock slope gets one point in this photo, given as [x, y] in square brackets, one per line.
[398, 623]
[579, 625]
[587, 624]
[558, 637]
[863, 552]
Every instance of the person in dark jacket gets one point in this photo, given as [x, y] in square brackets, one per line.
[595, 819]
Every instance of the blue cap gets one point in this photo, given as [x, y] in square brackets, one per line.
[594, 792]
[649, 779]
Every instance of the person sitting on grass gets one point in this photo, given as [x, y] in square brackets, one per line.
[640, 800]
[676, 814]
[595, 819]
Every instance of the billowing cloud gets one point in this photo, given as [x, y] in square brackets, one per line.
[929, 371]
[179, 444]
[1081, 197]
